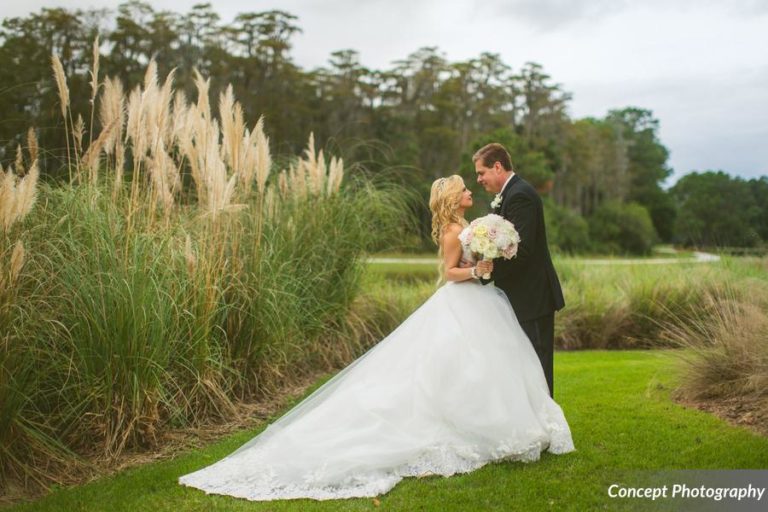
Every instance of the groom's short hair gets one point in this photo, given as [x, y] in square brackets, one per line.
[492, 153]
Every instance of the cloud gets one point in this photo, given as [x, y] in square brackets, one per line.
[749, 7]
[551, 15]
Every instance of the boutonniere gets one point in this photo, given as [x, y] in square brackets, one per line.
[496, 201]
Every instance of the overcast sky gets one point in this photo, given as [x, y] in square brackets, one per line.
[700, 65]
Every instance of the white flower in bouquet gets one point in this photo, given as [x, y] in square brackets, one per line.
[491, 236]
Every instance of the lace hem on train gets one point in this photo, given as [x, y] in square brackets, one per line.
[440, 460]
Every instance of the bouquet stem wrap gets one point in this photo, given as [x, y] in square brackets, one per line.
[487, 275]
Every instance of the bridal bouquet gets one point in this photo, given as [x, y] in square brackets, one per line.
[491, 237]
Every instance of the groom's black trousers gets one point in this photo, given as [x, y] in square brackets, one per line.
[541, 332]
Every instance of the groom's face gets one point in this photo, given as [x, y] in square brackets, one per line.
[489, 177]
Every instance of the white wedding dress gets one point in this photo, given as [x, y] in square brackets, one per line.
[455, 386]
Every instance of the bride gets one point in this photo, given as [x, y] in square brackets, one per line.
[455, 386]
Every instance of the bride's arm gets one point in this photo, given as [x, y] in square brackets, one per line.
[452, 256]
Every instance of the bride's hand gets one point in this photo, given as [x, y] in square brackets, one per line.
[484, 267]
[465, 264]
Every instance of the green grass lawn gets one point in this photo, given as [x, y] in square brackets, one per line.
[617, 404]
[659, 251]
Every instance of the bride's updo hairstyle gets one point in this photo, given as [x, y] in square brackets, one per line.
[444, 202]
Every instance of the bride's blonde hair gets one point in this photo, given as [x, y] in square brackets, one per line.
[444, 202]
[444, 199]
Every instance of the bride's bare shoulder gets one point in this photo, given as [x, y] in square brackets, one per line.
[452, 230]
[450, 238]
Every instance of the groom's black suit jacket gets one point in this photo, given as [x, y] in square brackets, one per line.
[529, 279]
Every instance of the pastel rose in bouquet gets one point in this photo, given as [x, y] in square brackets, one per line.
[489, 237]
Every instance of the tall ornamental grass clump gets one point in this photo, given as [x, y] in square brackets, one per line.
[174, 275]
[727, 349]
[24, 448]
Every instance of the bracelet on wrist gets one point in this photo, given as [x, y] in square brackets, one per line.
[473, 273]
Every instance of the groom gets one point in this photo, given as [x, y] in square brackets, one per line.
[529, 279]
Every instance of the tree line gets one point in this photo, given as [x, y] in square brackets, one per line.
[417, 120]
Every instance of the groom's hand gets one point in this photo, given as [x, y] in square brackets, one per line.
[484, 267]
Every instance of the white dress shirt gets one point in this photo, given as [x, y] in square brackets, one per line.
[505, 183]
